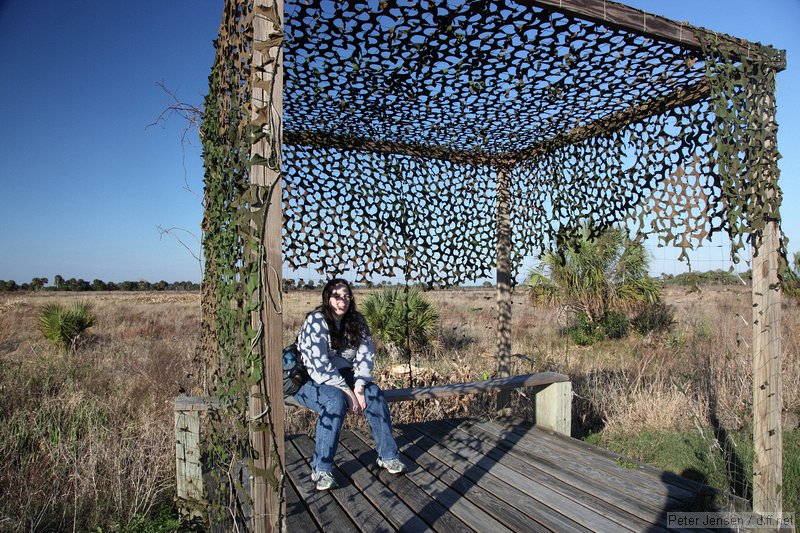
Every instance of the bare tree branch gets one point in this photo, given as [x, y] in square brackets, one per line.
[172, 233]
[192, 116]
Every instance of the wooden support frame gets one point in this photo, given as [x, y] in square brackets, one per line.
[767, 379]
[766, 294]
[188, 455]
[683, 96]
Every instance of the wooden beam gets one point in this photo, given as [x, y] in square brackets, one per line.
[634, 20]
[325, 140]
[680, 97]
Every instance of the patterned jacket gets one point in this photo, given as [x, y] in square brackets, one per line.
[323, 363]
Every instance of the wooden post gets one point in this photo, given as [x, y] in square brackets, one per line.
[267, 427]
[191, 490]
[767, 381]
[188, 456]
[503, 290]
[554, 408]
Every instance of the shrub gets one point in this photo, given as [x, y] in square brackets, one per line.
[656, 318]
[63, 327]
[396, 318]
[614, 325]
[585, 332]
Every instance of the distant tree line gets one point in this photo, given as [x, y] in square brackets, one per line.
[710, 277]
[81, 285]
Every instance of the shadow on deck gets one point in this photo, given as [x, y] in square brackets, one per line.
[471, 475]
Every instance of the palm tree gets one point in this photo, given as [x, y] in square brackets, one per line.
[400, 320]
[596, 275]
[63, 327]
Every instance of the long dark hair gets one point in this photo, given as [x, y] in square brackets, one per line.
[352, 328]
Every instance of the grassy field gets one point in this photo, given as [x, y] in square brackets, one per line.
[86, 439]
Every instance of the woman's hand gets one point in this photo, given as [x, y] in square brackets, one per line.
[353, 404]
[359, 394]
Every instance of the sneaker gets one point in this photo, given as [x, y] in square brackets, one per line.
[393, 466]
[324, 480]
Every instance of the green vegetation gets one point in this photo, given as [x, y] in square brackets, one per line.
[598, 279]
[398, 318]
[64, 326]
[595, 276]
[727, 466]
[87, 441]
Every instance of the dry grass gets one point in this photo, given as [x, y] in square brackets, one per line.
[87, 439]
[697, 375]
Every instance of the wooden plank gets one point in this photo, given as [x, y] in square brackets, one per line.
[397, 513]
[437, 516]
[595, 462]
[571, 496]
[540, 487]
[195, 403]
[474, 387]
[297, 515]
[575, 450]
[356, 505]
[554, 408]
[481, 496]
[463, 508]
[593, 487]
[526, 497]
[324, 509]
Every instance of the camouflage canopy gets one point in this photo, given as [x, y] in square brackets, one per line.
[399, 117]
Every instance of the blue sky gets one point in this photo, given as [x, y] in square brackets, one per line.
[85, 182]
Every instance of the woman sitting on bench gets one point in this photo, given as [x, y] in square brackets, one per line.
[338, 353]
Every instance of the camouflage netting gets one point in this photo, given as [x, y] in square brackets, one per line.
[399, 115]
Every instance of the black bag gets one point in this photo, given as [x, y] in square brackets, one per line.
[294, 371]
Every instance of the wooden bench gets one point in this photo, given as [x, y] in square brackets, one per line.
[553, 396]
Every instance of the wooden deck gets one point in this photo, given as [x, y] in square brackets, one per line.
[470, 475]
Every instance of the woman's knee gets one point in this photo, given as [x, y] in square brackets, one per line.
[373, 392]
[334, 399]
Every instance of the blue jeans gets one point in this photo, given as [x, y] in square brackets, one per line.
[330, 403]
